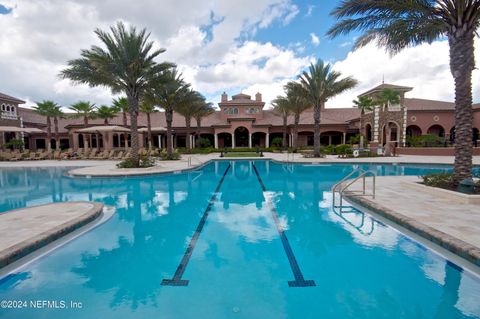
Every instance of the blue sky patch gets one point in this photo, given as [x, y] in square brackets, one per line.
[5, 10]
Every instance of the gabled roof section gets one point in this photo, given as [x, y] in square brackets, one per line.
[241, 96]
[428, 105]
[383, 86]
[12, 99]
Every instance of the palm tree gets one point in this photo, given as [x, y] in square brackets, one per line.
[384, 98]
[106, 113]
[191, 103]
[364, 103]
[47, 108]
[57, 113]
[127, 65]
[205, 110]
[121, 105]
[84, 110]
[321, 83]
[298, 104]
[168, 92]
[281, 108]
[400, 24]
[148, 108]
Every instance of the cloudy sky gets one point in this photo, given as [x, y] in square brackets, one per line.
[219, 45]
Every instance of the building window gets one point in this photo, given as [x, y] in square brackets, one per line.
[252, 110]
[230, 110]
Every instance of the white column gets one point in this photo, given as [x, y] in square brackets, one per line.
[233, 140]
[267, 140]
[193, 141]
[159, 141]
[215, 140]
[250, 140]
[344, 138]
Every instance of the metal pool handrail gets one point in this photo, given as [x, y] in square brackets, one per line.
[340, 188]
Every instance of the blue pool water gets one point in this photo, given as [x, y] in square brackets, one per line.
[266, 245]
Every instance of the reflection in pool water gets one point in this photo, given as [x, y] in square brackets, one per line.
[239, 268]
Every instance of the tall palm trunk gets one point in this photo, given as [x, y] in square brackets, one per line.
[462, 63]
[187, 124]
[49, 134]
[149, 134]
[133, 110]
[295, 131]
[125, 123]
[57, 136]
[316, 132]
[362, 133]
[199, 124]
[86, 137]
[169, 118]
[105, 121]
[284, 140]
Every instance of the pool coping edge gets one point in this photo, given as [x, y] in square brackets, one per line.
[455, 245]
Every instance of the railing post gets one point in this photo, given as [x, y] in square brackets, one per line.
[363, 179]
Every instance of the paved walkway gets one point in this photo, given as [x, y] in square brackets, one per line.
[438, 216]
[24, 230]
[108, 168]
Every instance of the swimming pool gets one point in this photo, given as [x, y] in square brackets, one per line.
[239, 239]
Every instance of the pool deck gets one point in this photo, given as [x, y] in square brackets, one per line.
[25, 230]
[445, 219]
[108, 168]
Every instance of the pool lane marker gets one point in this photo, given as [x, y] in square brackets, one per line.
[177, 277]
[299, 279]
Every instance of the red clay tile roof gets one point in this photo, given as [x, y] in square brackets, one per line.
[328, 116]
[11, 99]
[428, 105]
[387, 86]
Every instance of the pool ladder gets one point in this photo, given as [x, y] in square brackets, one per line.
[342, 186]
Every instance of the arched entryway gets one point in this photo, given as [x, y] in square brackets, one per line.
[276, 139]
[331, 138]
[206, 140]
[414, 130]
[305, 138]
[368, 132]
[241, 137]
[394, 132]
[224, 140]
[437, 130]
[475, 136]
[258, 139]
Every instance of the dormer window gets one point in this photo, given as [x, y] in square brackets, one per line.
[252, 110]
[230, 110]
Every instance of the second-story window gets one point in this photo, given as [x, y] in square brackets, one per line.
[230, 110]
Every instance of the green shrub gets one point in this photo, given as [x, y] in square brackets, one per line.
[15, 143]
[343, 149]
[428, 140]
[204, 142]
[145, 161]
[164, 156]
[277, 141]
[354, 139]
[441, 180]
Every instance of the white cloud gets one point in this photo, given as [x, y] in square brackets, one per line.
[207, 37]
[309, 10]
[424, 67]
[314, 39]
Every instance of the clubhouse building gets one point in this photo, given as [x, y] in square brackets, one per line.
[243, 121]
